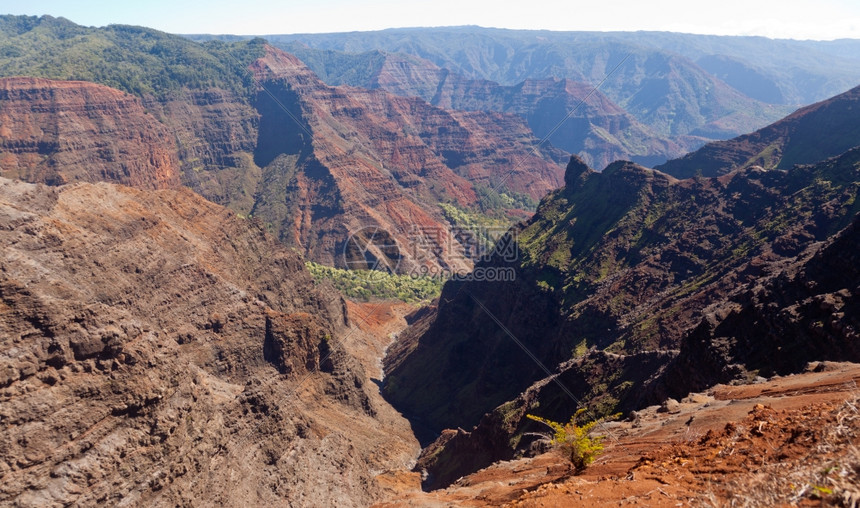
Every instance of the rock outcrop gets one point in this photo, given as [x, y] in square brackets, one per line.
[155, 349]
[807, 310]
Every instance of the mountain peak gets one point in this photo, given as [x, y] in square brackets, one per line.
[637, 175]
[576, 170]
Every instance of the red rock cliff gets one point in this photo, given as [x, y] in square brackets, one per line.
[62, 131]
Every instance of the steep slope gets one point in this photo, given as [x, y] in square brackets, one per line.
[796, 311]
[364, 158]
[809, 309]
[60, 131]
[624, 261]
[822, 130]
[156, 350]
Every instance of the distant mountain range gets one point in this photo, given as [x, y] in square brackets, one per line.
[663, 90]
[768, 70]
[673, 92]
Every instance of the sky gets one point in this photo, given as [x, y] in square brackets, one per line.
[789, 19]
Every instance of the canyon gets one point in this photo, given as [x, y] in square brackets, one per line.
[631, 287]
[173, 210]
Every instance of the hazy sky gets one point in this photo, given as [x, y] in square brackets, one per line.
[823, 19]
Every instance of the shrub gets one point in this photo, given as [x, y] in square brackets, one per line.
[574, 440]
[366, 284]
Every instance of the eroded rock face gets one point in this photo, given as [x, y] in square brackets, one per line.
[805, 310]
[316, 163]
[338, 159]
[155, 349]
[793, 311]
[58, 132]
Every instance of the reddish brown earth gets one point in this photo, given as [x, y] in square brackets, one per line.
[315, 163]
[786, 441]
[156, 350]
[214, 133]
[66, 131]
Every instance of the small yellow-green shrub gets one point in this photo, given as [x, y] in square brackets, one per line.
[574, 440]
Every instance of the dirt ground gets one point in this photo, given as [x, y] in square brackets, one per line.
[786, 441]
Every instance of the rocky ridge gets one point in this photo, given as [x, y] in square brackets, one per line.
[808, 135]
[606, 290]
[795, 312]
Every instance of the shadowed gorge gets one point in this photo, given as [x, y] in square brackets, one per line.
[613, 270]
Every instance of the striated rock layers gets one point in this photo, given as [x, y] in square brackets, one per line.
[316, 163]
[66, 131]
[155, 349]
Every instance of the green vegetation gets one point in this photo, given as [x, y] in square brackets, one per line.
[574, 440]
[337, 68]
[371, 284]
[486, 229]
[491, 200]
[136, 60]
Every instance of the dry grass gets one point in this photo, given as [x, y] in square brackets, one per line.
[829, 472]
